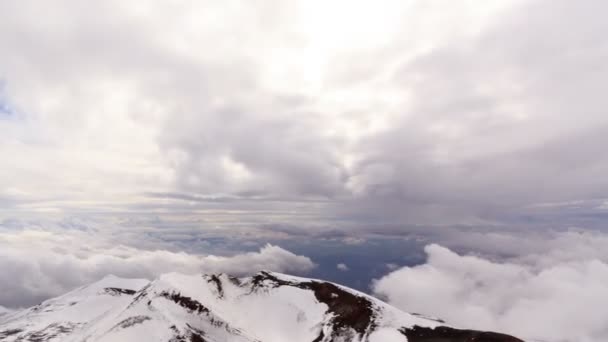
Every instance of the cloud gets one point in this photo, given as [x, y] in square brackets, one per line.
[446, 125]
[539, 248]
[546, 297]
[475, 141]
[342, 267]
[4, 311]
[38, 264]
[392, 266]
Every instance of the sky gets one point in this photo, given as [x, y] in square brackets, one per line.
[373, 143]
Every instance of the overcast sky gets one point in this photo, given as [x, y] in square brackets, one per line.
[477, 125]
[402, 111]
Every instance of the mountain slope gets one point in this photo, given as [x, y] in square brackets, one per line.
[268, 307]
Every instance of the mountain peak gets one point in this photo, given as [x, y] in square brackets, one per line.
[266, 307]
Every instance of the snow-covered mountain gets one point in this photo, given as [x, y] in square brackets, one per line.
[268, 307]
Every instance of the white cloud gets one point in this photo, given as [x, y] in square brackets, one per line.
[132, 98]
[555, 297]
[391, 266]
[342, 267]
[37, 265]
[539, 248]
[4, 311]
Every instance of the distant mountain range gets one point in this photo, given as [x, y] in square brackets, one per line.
[267, 307]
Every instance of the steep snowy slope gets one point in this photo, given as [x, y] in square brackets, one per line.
[57, 318]
[268, 307]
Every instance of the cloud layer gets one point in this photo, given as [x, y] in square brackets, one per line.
[554, 297]
[37, 265]
[408, 112]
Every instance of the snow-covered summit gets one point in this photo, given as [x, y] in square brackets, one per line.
[267, 307]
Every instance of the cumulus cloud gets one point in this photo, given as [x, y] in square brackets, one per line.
[37, 265]
[555, 297]
[342, 267]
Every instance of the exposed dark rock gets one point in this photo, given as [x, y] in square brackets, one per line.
[141, 294]
[191, 335]
[357, 313]
[196, 335]
[114, 291]
[131, 321]
[49, 332]
[42, 307]
[185, 302]
[429, 318]
[195, 306]
[446, 334]
[9, 332]
[236, 281]
[349, 310]
[320, 337]
[218, 284]
[258, 280]
[177, 336]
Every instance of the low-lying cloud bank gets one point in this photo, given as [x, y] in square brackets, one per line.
[556, 298]
[37, 265]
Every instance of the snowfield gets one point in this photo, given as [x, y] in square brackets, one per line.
[267, 307]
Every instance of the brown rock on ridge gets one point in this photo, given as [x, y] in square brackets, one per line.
[356, 312]
[447, 334]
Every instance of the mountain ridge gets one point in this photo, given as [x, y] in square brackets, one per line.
[266, 307]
